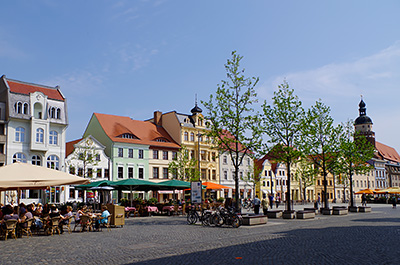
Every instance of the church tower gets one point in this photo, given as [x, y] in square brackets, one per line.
[363, 124]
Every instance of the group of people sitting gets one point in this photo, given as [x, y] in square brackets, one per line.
[40, 215]
[101, 218]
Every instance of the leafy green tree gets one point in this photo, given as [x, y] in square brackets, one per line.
[183, 167]
[231, 120]
[281, 123]
[355, 151]
[305, 174]
[87, 155]
[319, 141]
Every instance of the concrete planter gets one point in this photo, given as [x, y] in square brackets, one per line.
[364, 209]
[289, 215]
[326, 211]
[253, 219]
[305, 214]
[353, 209]
[340, 211]
[274, 214]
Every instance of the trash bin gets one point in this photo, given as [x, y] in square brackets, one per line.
[118, 215]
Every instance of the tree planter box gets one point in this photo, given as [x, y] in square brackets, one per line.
[253, 219]
[340, 211]
[289, 215]
[274, 214]
[305, 214]
[326, 211]
[311, 209]
[353, 209]
[364, 209]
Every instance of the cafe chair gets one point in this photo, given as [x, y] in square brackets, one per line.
[25, 227]
[86, 223]
[67, 225]
[54, 225]
[106, 225]
[11, 226]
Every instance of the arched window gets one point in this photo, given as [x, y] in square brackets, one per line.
[18, 107]
[52, 112]
[192, 137]
[39, 135]
[19, 157]
[186, 136]
[53, 138]
[20, 134]
[58, 113]
[25, 108]
[36, 160]
[53, 162]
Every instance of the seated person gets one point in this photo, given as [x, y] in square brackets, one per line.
[65, 218]
[9, 213]
[103, 219]
[81, 211]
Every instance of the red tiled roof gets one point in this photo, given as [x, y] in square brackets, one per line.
[145, 131]
[69, 147]
[24, 88]
[387, 152]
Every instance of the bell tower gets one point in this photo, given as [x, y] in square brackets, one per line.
[363, 123]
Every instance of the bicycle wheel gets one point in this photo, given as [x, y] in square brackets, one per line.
[206, 219]
[235, 222]
[191, 218]
[217, 220]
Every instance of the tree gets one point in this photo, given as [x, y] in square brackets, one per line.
[231, 120]
[319, 141]
[87, 155]
[355, 151]
[281, 123]
[305, 174]
[183, 167]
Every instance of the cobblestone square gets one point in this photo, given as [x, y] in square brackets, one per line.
[350, 239]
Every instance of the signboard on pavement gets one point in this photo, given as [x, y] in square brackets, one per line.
[195, 191]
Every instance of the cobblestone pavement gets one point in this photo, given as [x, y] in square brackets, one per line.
[351, 239]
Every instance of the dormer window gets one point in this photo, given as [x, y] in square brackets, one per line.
[162, 140]
[128, 136]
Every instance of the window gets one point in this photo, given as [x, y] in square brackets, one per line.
[130, 172]
[141, 154]
[120, 152]
[165, 155]
[36, 160]
[165, 173]
[20, 134]
[140, 173]
[97, 157]
[90, 172]
[225, 175]
[53, 139]
[225, 160]
[155, 172]
[18, 107]
[25, 108]
[186, 136]
[106, 173]
[19, 157]
[58, 114]
[192, 137]
[99, 173]
[120, 172]
[80, 172]
[214, 174]
[203, 155]
[130, 153]
[53, 162]
[174, 155]
[71, 170]
[155, 154]
[128, 136]
[71, 193]
[39, 135]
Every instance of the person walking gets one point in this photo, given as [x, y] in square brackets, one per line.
[256, 203]
[271, 200]
[364, 200]
[277, 201]
[394, 202]
[264, 204]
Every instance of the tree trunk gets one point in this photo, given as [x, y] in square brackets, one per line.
[288, 197]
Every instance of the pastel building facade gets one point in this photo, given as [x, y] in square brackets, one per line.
[33, 122]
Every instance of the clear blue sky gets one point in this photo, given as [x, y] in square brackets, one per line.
[131, 58]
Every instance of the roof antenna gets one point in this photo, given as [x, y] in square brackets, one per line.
[195, 99]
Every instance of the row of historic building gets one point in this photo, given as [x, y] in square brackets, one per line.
[34, 119]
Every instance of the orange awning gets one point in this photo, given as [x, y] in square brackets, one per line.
[366, 191]
[215, 186]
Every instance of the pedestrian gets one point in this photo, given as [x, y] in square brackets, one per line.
[271, 200]
[394, 202]
[277, 201]
[363, 200]
[264, 204]
[256, 203]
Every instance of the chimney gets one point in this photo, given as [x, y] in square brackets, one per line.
[157, 118]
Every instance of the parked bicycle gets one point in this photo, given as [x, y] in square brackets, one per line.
[228, 216]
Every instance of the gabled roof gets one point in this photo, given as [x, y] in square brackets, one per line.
[387, 152]
[143, 132]
[69, 147]
[27, 88]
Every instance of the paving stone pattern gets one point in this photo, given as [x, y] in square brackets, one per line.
[349, 239]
